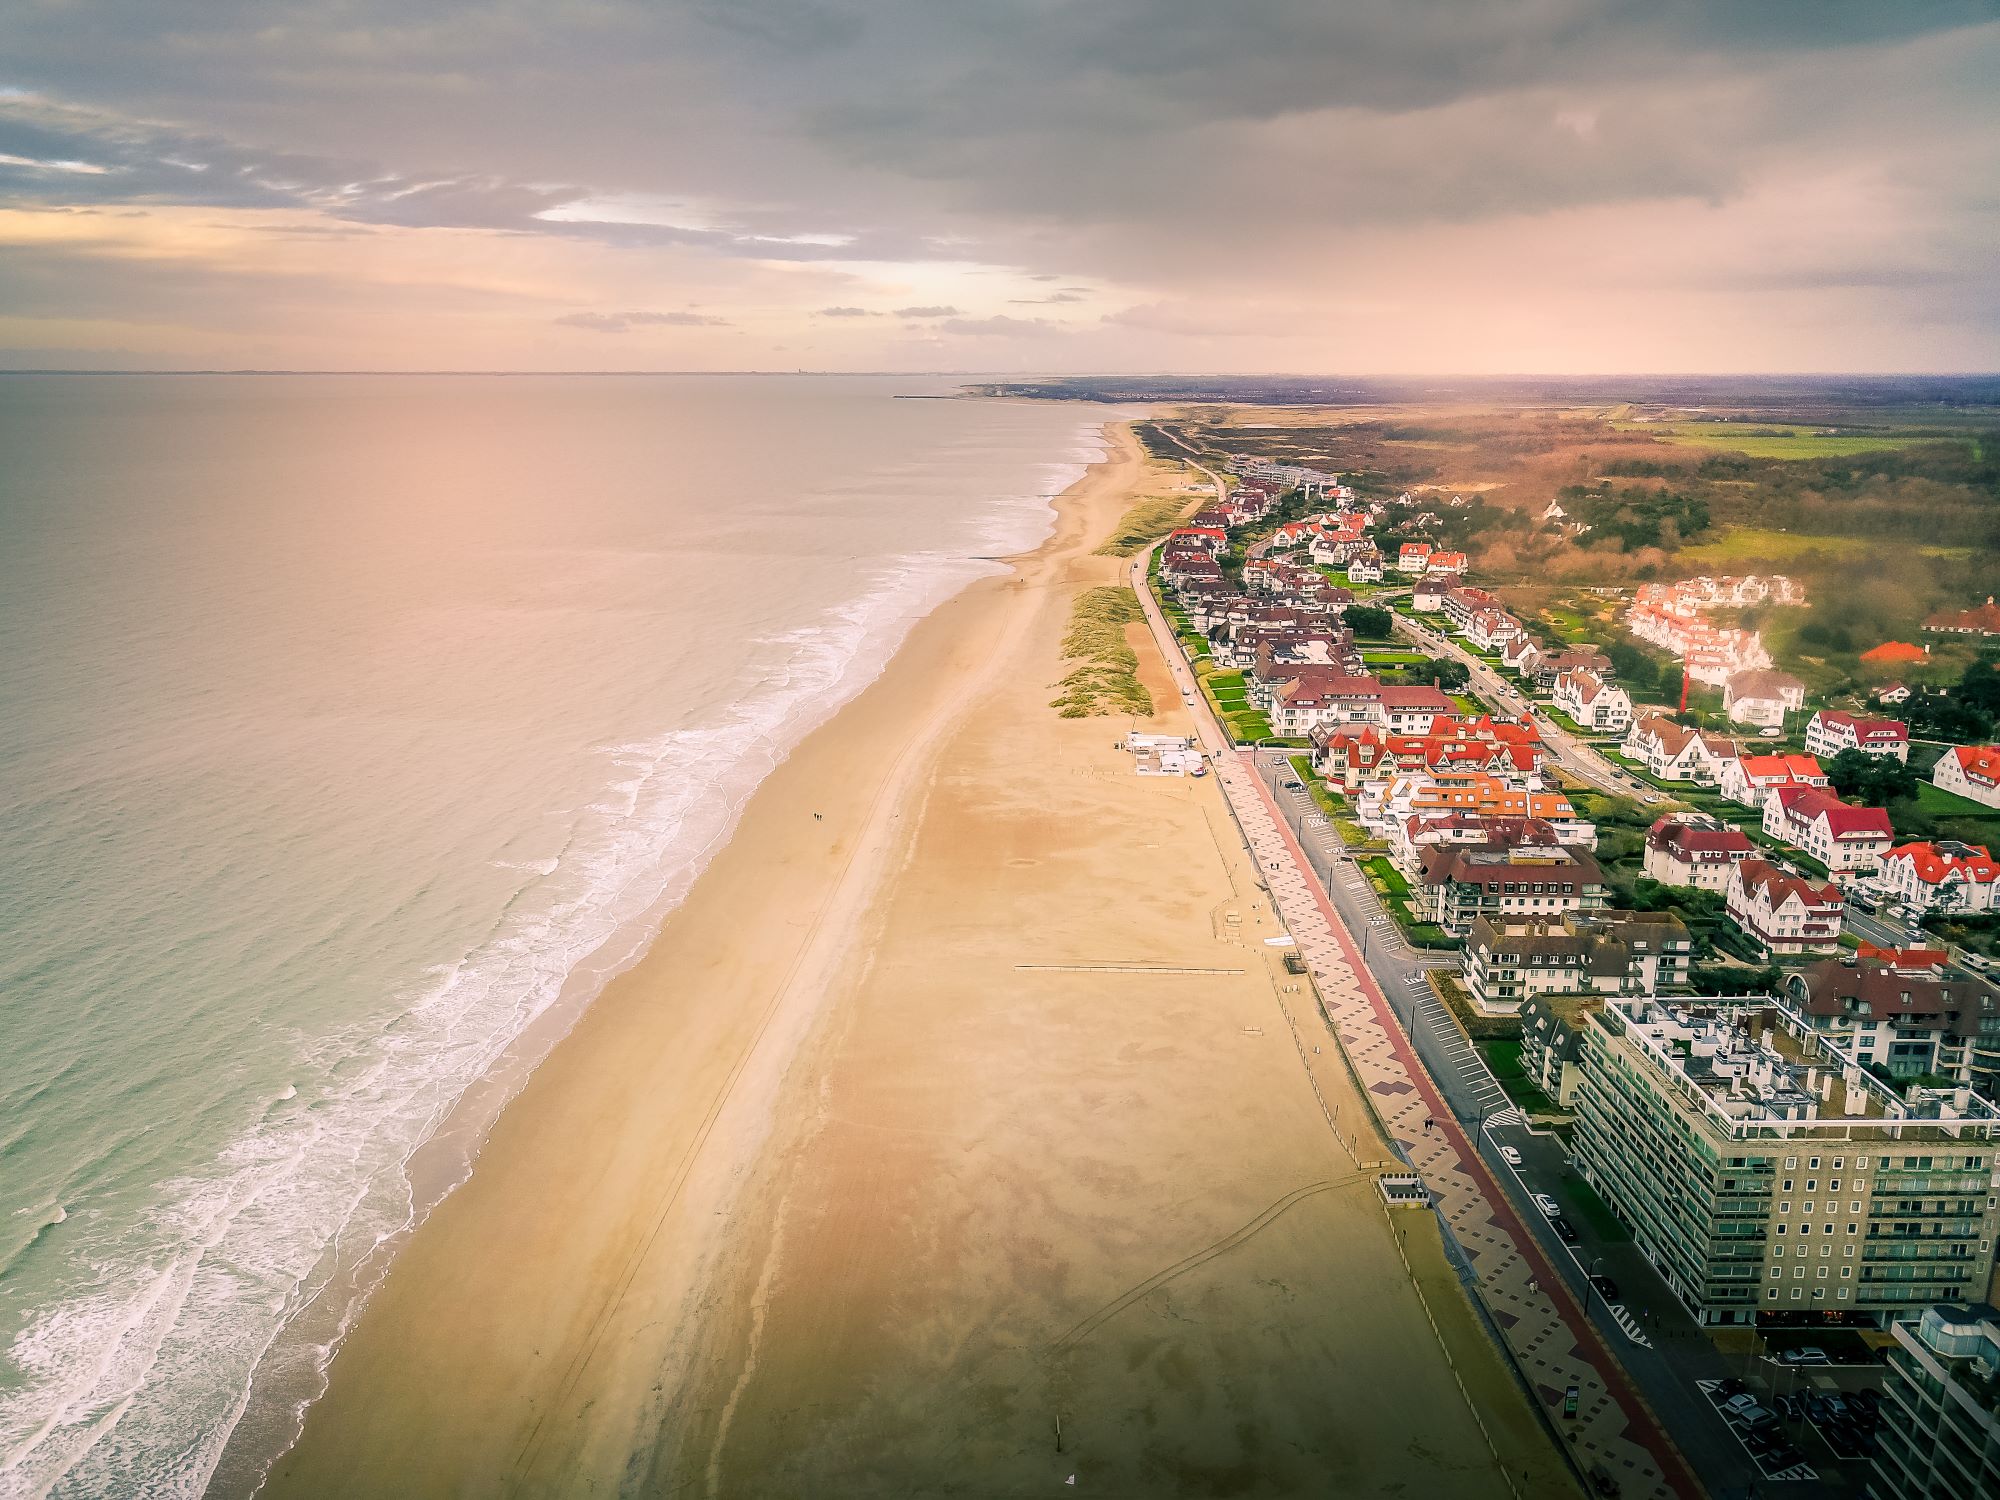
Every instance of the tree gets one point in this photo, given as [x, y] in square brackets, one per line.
[1440, 671]
[1876, 780]
[1367, 621]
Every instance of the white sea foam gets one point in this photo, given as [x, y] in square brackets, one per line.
[133, 1383]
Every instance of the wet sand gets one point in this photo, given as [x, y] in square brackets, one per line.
[974, 1107]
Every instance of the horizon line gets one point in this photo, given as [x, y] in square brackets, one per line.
[1980, 374]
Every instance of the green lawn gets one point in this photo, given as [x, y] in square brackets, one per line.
[1943, 804]
[1779, 439]
[1389, 880]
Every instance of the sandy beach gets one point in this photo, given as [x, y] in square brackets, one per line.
[965, 1138]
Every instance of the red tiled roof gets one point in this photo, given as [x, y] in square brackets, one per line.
[1808, 804]
[1936, 862]
[1978, 762]
[1761, 874]
[1895, 651]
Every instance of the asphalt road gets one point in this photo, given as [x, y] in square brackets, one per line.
[1493, 687]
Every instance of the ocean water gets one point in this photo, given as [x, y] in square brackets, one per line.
[352, 730]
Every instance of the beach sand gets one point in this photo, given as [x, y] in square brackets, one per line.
[904, 1143]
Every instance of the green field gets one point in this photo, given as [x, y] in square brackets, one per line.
[1776, 439]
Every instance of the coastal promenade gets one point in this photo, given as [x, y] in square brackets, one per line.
[1548, 1337]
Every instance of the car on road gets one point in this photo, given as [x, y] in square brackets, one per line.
[1295, 786]
[1549, 1207]
[1510, 1156]
[1565, 1231]
[1805, 1354]
[1606, 1287]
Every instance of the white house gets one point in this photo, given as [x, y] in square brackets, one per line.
[1413, 558]
[1365, 567]
[1749, 779]
[1784, 914]
[1848, 840]
[1593, 703]
[1491, 629]
[1970, 771]
[1947, 874]
[1832, 731]
[1673, 753]
[1693, 850]
[1762, 698]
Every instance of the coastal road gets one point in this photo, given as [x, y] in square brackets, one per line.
[1469, 1102]
[1571, 753]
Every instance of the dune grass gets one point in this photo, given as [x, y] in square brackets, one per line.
[1143, 524]
[1107, 679]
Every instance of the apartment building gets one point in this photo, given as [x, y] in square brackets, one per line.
[1906, 1014]
[1764, 1170]
[1848, 840]
[1940, 1430]
[1607, 952]
[1459, 884]
[1832, 731]
[1692, 849]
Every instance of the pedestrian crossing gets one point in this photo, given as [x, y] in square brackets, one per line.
[1628, 1325]
[1511, 1115]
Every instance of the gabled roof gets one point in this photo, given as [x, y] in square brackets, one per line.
[1866, 731]
[1763, 684]
[1781, 767]
[1810, 804]
[1690, 840]
[1775, 885]
[1947, 860]
[1978, 762]
[1895, 651]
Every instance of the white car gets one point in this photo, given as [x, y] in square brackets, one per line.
[1549, 1207]
[1510, 1156]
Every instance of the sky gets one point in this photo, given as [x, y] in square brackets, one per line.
[1046, 186]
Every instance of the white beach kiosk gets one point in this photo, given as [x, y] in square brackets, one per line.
[1166, 755]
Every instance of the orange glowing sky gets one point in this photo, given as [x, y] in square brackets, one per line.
[1130, 185]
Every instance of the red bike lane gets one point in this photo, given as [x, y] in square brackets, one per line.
[1641, 1425]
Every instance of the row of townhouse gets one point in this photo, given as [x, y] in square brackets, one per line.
[1322, 697]
[1347, 757]
[1392, 800]
[1419, 559]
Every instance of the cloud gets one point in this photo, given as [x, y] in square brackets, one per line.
[1388, 170]
[847, 312]
[999, 326]
[619, 322]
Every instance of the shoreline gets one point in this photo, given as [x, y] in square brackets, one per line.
[808, 1199]
[927, 637]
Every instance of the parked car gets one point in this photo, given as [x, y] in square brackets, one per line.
[1805, 1354]
[1729, 1386]
[1295, 786]
[1510, 1156]
[1865, 1403]
[1565, 1231]
[1819, 1408]
[1606, 1287]
[1549, 1207]
[1790, 1408]
[1737, 1401]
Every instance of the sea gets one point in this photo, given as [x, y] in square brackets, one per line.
[354, 729]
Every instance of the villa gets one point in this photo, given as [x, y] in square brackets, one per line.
[1970, 771]
[1785, 915]
[1750, 779]
[1949, 874]
[1692, 850]
[1672, 753]
[1832, 731]
[1592, 702]
[1848, 840]
[1762, 698]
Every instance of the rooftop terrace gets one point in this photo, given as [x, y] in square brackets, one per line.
[1756, 1069]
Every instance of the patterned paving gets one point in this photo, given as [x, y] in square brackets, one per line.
[1552, 1343]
